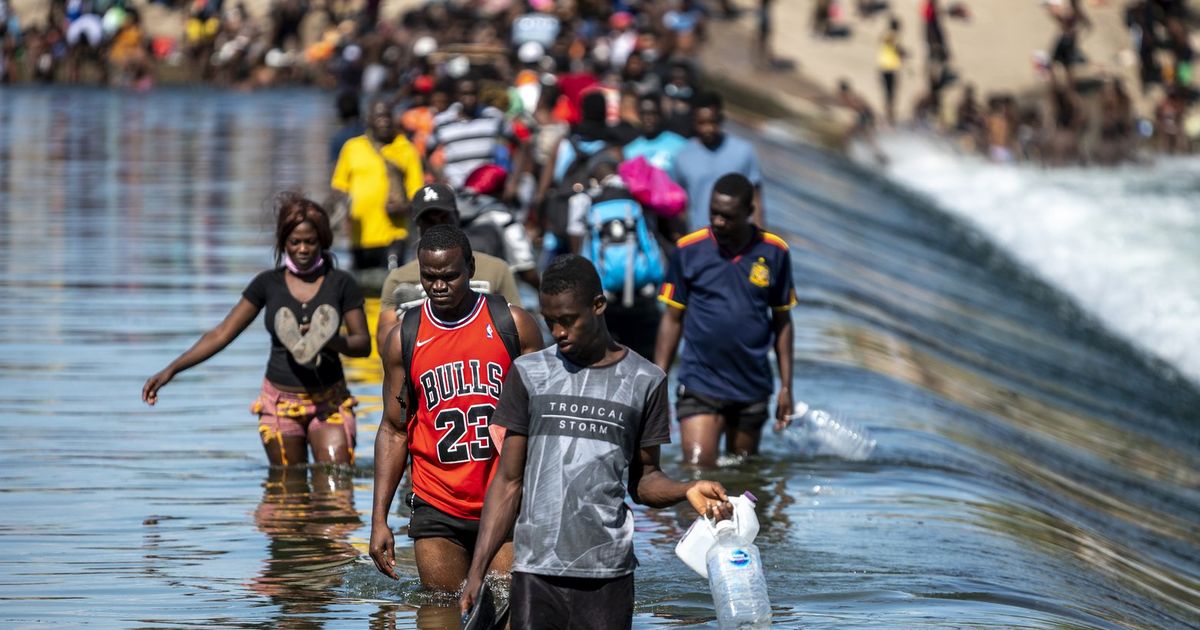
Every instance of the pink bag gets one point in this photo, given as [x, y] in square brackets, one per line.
[653, 188]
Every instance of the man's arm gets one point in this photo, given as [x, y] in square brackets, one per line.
[391, 451]
[527, 330]
[670, 331]
[649, 485]
[781, 325]
[500, 507]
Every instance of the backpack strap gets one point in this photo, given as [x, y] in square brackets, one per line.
[408, 340]
[497, 307]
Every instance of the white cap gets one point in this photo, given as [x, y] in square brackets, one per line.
[458, 67]
[424, 46]
[530, 52]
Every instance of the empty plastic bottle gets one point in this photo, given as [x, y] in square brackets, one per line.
[816, 432]
[699, 538]
[735, 576]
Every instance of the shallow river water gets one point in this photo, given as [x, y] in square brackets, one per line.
[1032, 470]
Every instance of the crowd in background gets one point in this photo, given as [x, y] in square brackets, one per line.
[1081, 117]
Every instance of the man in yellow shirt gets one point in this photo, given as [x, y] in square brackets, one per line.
[380, 171]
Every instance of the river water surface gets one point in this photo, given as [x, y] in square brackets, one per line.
[1032, 471]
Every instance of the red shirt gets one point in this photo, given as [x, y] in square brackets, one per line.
[457, 370]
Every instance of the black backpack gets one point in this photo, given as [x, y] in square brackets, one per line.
[497, 307]
[575, 180]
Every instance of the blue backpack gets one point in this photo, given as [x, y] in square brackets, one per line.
[621, 246]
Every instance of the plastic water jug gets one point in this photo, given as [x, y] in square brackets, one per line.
[816, 432]
[735, 576]
[700, 537]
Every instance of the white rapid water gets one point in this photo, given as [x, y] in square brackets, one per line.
[1124, 242]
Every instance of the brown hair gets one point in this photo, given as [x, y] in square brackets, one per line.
[292, 209]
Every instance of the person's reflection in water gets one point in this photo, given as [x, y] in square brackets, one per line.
[428, 616]
[307, 515]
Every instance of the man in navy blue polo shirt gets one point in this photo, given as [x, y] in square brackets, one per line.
[729, 295]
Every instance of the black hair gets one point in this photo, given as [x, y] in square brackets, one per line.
[594, 107]
[348, 106]
[445, 85]
[443, 237]
[708, 99]
[737, 186]
[572, 273]
[291, 209]
[653, 97]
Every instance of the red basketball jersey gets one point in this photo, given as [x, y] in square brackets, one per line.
[457, 370]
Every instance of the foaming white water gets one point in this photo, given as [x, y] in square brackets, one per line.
[1124, 242]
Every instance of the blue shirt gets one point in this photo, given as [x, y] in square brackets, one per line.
[697, 169]
[660, 151]
[728, 301]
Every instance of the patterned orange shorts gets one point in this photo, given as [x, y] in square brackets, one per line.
[290, 414]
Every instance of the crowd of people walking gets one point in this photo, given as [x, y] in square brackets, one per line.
[584, 157]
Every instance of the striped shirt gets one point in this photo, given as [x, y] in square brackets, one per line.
[467, 143]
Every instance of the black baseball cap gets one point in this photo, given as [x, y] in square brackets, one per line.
[433, 197]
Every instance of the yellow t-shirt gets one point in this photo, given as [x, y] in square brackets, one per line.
[889, 54]
[361, 174]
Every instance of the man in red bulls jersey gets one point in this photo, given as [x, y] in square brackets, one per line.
[444, 366]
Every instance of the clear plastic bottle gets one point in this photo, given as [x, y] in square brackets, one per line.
[694, 545]
[816, 432]
[735, 576]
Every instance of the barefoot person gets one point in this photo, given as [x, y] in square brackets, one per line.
[585, 420]
[444, 365]
[729, 297]
[304, 401]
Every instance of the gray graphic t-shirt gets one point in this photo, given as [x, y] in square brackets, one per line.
[584, 427]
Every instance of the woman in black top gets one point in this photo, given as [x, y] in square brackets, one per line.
[304, 401]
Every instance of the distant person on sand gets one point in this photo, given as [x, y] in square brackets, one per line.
[304, 401]
[1068, 121]
[1071, 18]
[1169, 116]
[444, 366]
[710, 154]
[729, 296]
[891, 61]
[864, 124]
[585, 422]
[937, 60]
[969, 120]
[765, 28]
[1116, 123]
[379, 171]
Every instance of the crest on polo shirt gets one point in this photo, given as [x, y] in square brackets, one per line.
[760, 274]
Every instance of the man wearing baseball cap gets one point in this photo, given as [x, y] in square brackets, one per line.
[435, 204]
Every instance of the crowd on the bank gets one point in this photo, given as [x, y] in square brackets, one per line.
[1082, 117]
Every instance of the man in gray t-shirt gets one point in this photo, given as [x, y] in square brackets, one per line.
[584, 421]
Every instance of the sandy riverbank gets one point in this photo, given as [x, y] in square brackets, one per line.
[993, 50]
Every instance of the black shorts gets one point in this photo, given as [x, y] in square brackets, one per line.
[430, 522]
[545, 602]
[388, 257]
[743, 414]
